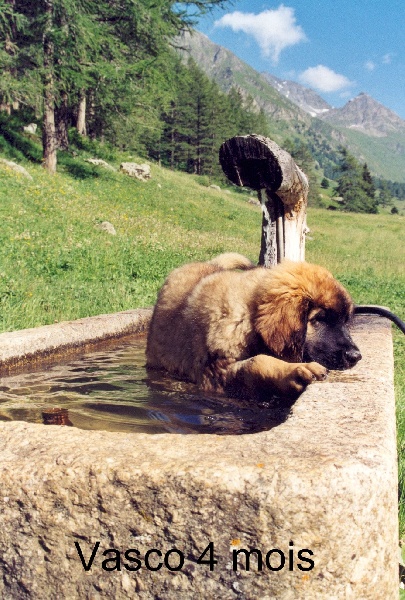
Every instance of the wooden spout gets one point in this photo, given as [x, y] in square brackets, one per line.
[259, 163]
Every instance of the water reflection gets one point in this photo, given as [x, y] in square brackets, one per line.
[111, 390]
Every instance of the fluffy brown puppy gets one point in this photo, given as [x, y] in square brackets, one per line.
[231, 327]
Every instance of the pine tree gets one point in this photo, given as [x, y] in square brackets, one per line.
[9, 25]
[193, 122]
[200, 118]
[353, 185]
[20, 80]
[384, 197]
[368, 183]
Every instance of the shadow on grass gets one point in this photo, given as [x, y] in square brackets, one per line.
[14, 144]
[19, 146]
[76, 168]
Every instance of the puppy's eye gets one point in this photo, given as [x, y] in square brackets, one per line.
[331, 318]
[325, 316]
[319, 317]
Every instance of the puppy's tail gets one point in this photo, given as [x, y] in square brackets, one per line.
[232, 260]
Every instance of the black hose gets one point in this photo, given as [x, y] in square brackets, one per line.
[372, 309]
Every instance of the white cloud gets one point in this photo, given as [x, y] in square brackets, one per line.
[273, 30]
[387, 58]
[369, 65]
[324, 79]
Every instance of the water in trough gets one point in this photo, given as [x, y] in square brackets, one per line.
[112, 390]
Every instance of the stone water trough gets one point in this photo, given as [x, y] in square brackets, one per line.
[306, 510]
[325, 480]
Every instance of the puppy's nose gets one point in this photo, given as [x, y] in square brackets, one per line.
[353, 356]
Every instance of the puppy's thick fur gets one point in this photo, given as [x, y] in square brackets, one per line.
[229, 326]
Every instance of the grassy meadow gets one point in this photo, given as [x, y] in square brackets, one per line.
[57, 264]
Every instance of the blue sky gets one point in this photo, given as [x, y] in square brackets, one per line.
[338, 48]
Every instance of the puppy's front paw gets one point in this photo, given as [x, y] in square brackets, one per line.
[319, 373]
[303, 374]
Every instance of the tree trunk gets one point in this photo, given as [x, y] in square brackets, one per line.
[81, 114]
[49, 132]
[172, 139]
[93, 129]
[62, 123]
[256, 162]
[49, 135]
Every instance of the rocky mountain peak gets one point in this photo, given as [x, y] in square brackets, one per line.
[366, 115]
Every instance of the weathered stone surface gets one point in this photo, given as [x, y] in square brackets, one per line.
[31, 128]
[107, 227]
[15, 167]
[52, 342]
[98, 162]
[141, 172]
[325, 480]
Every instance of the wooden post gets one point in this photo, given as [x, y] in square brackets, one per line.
[257, 162]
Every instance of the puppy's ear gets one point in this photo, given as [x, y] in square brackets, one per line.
[282, 320]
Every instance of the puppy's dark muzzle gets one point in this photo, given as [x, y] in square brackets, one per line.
[352, 357]
[345, 358]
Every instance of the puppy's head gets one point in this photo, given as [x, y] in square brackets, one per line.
[303, 313]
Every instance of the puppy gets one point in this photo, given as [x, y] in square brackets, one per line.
[248, 331]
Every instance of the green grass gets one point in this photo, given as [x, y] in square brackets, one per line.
[55, 264]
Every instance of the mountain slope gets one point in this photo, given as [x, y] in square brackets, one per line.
[373, 133]
[287, 120]
[305, 98]
[229, 71]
